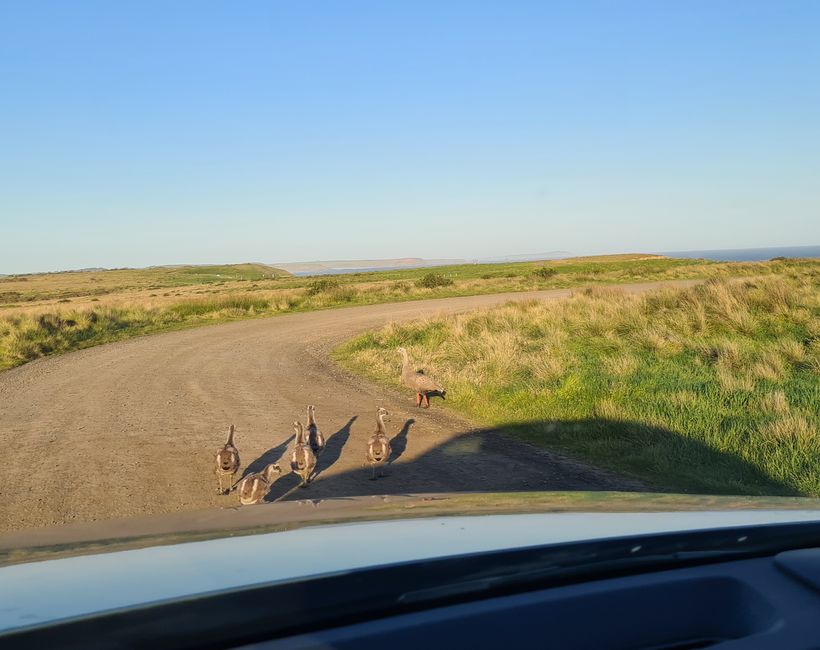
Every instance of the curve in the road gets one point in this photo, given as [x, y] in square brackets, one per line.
[131, 428]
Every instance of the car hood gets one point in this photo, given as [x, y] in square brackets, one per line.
[278, 542]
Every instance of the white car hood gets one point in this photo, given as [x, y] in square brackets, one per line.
[39, 592]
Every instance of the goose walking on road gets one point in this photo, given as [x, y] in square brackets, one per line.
[253, 488]
[227, 462]
[315, 437]
[302, 459]
[378, 447]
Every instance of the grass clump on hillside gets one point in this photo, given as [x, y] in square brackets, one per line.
[433, 280]
[331, 290]
[545, 272]
[712, 389]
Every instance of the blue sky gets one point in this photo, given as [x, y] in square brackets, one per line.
[137, 133]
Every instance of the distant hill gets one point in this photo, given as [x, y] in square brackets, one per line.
[331, 267]
[207, 272]
[334, 267]
[534, 257]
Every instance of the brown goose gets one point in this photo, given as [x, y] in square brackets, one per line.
[253, 488]
[302, 459]
[419, 382]
[378, 447]
[227, 462]
[315, 436]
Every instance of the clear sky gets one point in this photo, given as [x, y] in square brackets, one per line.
[137, 133]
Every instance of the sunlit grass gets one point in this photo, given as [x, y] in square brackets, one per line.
[713, 389]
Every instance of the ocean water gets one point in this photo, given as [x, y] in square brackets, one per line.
[748, 254]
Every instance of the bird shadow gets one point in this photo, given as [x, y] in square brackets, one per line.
[399, 442]
[270, 456]
[283, 486]
[333, 448]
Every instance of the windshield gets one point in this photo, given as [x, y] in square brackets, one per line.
[391, 260]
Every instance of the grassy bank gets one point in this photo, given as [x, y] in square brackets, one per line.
[712, 389]
[48, 314]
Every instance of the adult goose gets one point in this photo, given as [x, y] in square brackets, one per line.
[422, 384]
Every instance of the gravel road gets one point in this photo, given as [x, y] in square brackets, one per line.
[131, 428]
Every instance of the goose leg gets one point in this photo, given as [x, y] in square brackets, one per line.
[418, 399]
[373, 478]
[426, 401]
[219, 478]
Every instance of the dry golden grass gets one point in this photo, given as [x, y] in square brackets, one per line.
[790, 428]
[774, 402]
[771, 366]
[732, 382]
[621, 365]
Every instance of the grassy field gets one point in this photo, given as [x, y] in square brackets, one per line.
[713, 389]
[77, 284]
[51, 313]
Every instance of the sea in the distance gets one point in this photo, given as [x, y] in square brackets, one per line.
[748, 254]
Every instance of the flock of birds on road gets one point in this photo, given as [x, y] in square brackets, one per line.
[310, 443]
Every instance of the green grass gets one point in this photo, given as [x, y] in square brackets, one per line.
[196, 295]
[713, 389]
[185, 275]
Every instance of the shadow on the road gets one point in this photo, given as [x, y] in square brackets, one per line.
[286, 483]
[270, 456]
[333, 448]
[435, 393]
[561, 456]
[399, 442]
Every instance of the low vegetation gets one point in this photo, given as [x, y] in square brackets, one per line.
[711, 389]
[71, 284]
[97, 306]
[433, 280]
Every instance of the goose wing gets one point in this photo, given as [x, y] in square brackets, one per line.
[247, 488]
[316, 438]
[302, 458]
[426, 384]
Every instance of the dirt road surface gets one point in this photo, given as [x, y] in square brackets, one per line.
[131, 428]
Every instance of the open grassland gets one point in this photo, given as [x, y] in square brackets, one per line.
[51, 313]
[83, 284]
[713, 389]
